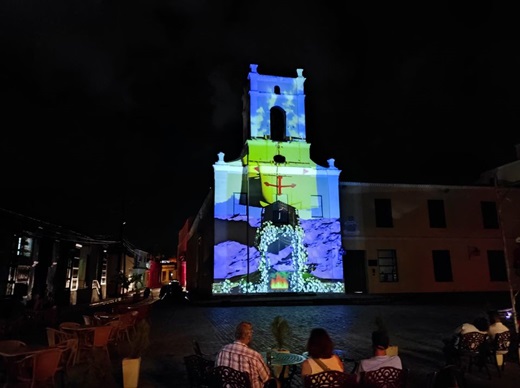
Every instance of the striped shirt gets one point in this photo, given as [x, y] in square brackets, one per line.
[241, 357]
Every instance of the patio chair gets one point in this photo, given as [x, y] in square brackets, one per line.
[499, 348]
[474, 348]
[197, 368]
[227, 377]
[55, 336]
[330, 379]
[384, 377]
[39, 368]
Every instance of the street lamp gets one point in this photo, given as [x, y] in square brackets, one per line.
[512, 293]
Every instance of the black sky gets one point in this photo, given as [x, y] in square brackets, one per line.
[118, 109]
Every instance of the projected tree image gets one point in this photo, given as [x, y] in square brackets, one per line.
[277, 223]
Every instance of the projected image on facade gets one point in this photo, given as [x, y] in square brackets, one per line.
[277, 223]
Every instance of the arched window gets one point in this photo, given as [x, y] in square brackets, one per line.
[277, 124]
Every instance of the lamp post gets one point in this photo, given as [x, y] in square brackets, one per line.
[512, 293]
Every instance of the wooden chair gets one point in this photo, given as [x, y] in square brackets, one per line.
[499, 348]
[330, 379]
[197, 368]
[227, 377]
[473, 350]
[39, 368]
[384, 377]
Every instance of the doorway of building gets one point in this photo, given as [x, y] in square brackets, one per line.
[354, 268]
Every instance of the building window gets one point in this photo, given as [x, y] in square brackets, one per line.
[442, 266]
[316, 206]
[238, 200]
[436, 213]
[497, 266]
[383, 209]
[489, 214]
[387, 262]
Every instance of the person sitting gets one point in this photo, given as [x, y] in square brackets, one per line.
[321, 357]
[495, 325]
[238, 355]
[451, 345]
[380, 343]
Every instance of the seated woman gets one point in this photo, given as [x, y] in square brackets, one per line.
[321, 355]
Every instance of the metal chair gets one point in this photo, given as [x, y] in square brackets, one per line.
[227, 377]
[384, 377]
[330, 379]
[499, 348]
[474, 347]
[197, 368]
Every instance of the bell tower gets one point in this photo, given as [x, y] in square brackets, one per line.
[276, 106]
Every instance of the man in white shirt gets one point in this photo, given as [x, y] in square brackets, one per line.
[380, 343]
[495, 325]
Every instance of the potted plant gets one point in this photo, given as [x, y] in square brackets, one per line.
[132, 350]
[281, 332]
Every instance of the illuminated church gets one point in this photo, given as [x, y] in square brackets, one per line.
[276, 212]
[276, 222]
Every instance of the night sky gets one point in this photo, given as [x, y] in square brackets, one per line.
[117, 110]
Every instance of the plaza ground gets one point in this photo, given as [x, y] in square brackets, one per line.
[417, 329]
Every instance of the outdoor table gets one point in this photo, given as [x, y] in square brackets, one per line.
[283, 361]
[105, 317]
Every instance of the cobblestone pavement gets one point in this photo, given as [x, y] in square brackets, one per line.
[417, 330]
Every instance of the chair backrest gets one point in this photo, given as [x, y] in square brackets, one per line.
[43, 365]
[227, 377]
[502, 341]
[101, 336]
[330, 379]
[69, 349]
[472, 341]
[384, 377]
[197, 369]
[12, 345]
[55, 336]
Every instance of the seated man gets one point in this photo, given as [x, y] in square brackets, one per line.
[451, 345]
[238, 355]
[380, 343]
[495, 325]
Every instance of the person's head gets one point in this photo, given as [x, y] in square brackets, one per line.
[319, 344]
[380, 340]
[244, 332]
[481, 323]
[494, 317]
